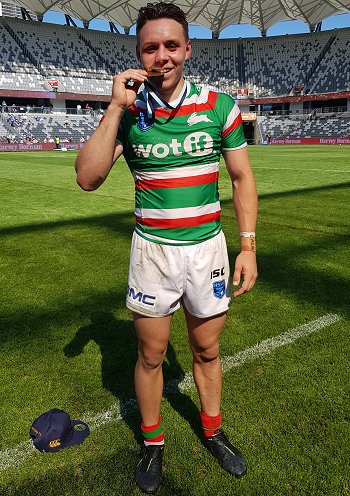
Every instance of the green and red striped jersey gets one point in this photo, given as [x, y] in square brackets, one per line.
[174, 158]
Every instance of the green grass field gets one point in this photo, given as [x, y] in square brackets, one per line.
[67, 340]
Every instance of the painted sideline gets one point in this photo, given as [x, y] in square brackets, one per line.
[122, 409]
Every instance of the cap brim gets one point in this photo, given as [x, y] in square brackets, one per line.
[80, 431]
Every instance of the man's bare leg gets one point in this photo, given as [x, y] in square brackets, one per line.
[207, 372]
[153, 337]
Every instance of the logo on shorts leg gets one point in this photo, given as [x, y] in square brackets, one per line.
[141, 297]
[219, 289]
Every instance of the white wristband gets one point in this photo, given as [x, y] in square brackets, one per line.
[247, 234]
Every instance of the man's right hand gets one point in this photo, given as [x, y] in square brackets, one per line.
[99, 153]
[123, 94]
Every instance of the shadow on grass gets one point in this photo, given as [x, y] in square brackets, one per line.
[304, 191]
[182, 403]
[105, 476]
[117, 342]
[285, 272]
[123, 222]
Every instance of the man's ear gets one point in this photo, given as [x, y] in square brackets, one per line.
[188, 50]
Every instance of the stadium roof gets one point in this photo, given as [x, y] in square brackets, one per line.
[213, 14]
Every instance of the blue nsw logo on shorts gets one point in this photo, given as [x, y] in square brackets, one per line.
[219, 289]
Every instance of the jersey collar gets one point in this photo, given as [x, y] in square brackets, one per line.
[153, 99]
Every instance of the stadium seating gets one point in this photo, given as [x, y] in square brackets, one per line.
[16, 69]
[334, 70]
[67, 127]
[315, 126]
[83, 61]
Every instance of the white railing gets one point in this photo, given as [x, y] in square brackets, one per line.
[24, 109]
[305, 112]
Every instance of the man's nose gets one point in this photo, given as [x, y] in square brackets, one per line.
[161, 55]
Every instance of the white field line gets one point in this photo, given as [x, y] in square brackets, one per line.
[301, 169]
[119, 410]
[255, 167]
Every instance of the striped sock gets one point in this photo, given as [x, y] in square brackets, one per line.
[153, 434]
[210, 424]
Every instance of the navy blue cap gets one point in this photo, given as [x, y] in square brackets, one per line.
[54, 430]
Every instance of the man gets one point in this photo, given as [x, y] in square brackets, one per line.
[171, 134]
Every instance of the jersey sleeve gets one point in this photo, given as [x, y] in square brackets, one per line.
[232, 134]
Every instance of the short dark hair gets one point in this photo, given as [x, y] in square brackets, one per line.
[161, 10]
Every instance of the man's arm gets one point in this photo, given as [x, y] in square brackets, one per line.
[98, 155]
[245, 201]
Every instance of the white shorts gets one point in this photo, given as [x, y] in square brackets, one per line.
[161, 277]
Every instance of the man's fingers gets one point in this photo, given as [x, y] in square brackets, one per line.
[243, 289]
[238, 292]
[138, 75]
[247, 285]
[237, 276]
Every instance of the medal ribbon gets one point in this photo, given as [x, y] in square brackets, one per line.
[152, 96]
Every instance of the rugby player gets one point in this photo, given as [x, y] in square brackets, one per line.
[172, 134]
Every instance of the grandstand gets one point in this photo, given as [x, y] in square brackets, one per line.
[307, 126]
[281, 82]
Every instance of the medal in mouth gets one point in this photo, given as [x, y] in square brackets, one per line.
[152, 72]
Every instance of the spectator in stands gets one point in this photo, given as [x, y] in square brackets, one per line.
[3, 106]
[176, 229]
[89, 108]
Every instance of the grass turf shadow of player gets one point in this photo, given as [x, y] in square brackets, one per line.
[117, 342]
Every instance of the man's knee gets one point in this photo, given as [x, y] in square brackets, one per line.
[151, 359]
[205, 355]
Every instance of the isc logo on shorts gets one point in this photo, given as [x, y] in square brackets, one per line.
[217, 273]
[141, 297]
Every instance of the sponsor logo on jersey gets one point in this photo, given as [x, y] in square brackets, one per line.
[142, 297]
[144, 123]
[195, 119]
[195, 144]
[219, 288]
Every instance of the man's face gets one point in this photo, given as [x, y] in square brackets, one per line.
[162, 45]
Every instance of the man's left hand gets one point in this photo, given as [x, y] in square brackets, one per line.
[246, 268]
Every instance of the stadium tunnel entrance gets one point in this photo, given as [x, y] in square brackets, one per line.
[248, 128]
